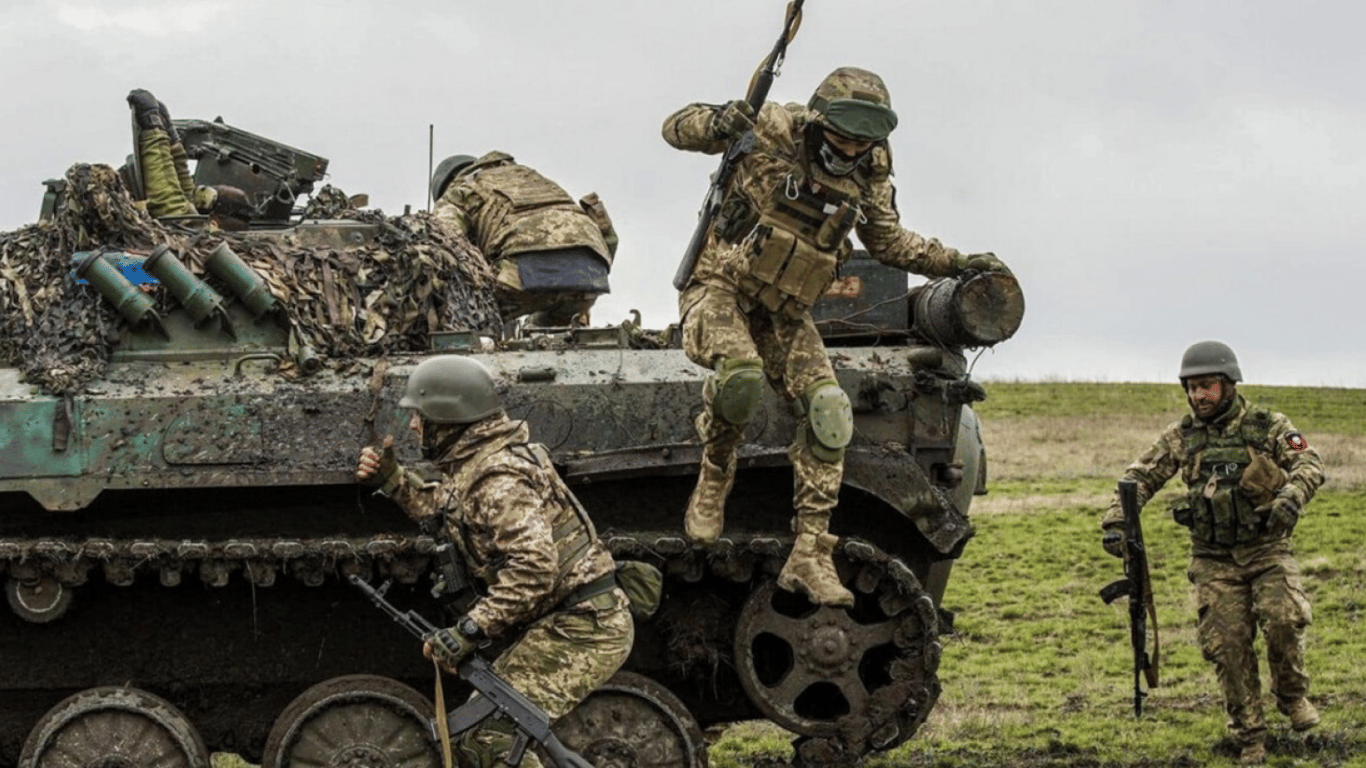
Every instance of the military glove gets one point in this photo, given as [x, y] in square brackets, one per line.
[1281, 516]
[980, 262]
[1113, 542]
[379, 468]
[146, 109]
[733, 120]
[448, 647]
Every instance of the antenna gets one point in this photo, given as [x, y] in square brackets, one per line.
[431, 131]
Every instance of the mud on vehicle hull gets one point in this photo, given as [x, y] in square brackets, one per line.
[174, 541]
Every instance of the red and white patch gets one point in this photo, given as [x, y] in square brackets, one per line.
[1296, 442]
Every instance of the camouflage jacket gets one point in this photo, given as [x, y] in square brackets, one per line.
[505, 209]
[779, 155]
[514, 521]
[1256, 430]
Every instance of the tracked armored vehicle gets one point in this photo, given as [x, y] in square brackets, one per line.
[175, 536]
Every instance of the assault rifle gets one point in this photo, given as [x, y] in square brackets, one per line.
[273, 175]
[1138, 587]
[495, 697]
[758, 92]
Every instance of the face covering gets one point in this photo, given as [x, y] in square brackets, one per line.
[836, 162]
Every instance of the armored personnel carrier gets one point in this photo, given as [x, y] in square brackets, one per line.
[176, 532]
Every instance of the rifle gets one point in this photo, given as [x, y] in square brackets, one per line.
[271, 174]
[1138, 587]
[496, 697]
[758, 92]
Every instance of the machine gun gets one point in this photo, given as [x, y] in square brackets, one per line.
[1138, 587]
[495, 697]
[758, 92]
[273, 175]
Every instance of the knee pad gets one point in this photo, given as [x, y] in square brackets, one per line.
[830, 420]
[737, 389]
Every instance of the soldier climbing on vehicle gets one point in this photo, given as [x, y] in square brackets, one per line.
[550, 582]
[552, 254]
[805, 179]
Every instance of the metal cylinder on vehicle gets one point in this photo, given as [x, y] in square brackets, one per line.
[241, 279]
[128, 299]
[200, 301]
[979, 311]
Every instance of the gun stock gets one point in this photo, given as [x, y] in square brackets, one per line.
[756, 95]
[1137, 586]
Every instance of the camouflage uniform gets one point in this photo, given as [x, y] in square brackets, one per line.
[1243, 569]
[746, 305]
[167, 185]
[525, 537]
[552, 254]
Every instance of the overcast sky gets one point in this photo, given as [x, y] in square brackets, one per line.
[1155, 172]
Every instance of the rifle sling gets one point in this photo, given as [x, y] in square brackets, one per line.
[599, 586]
[1151, 671]
[443, 728]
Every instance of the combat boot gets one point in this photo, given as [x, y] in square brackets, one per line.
[1302, 714]
[146, 109]
[810, 568]
[1253, 754]
[706, 513]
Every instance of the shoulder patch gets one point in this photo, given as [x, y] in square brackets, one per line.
[1295, 441]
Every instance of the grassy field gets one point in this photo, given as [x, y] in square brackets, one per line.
[1038, 671]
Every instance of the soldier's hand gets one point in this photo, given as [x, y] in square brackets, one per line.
[733, 120]
[981, 262]
[1281, 516]
[1113, 542]
[448, 648]
[378, 468]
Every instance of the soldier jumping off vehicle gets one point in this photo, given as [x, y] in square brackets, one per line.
[552, 254]
[1249, 473]
[164, 170]
[815, 174]
[550, 582]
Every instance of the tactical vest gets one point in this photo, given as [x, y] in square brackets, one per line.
[1221, 512]
[524, 211]
[799, 237]
[571, 528]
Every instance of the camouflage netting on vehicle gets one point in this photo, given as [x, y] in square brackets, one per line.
[367, 300]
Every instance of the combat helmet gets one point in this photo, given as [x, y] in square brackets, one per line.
[855, 103]
[1206, 357]
[451, 389]
[446, 170]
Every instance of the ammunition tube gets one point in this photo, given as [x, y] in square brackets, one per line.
[978, 311]
[248, 286]
[200, 301]
[131, 302]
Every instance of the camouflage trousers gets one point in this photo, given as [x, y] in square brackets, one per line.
[161, 182]
[715, 327]
[548, 307]
[559, 659]
[1237, 593]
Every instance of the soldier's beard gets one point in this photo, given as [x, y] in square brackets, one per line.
[1211, 410]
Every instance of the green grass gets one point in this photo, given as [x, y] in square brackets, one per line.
[1038, 672]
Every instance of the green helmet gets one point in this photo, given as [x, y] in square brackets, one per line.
[1206, 357]
[446, 170]
[855, 103]
[451, 389]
